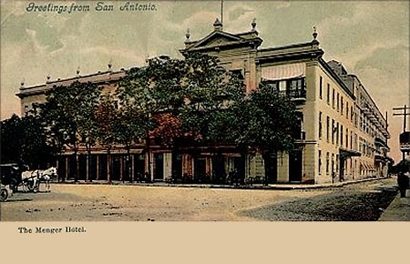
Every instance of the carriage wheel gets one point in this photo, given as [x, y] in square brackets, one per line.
[31, 186]
[4, 194]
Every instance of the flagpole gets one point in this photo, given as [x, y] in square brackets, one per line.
[222, 12]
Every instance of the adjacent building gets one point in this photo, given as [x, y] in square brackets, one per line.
[343, 135]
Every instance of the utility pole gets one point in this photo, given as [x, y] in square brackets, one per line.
[402, 111]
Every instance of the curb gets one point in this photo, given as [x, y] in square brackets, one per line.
[217, 186]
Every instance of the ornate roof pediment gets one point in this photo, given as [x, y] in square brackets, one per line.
[220, 38]
[216, 38]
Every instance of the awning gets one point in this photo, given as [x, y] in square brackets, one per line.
[283, 72]
[345, 153]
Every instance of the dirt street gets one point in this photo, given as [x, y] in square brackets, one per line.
[95, 202]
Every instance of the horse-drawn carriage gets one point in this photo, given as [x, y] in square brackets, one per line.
[9, 175]
[14, 175]
[5, 192]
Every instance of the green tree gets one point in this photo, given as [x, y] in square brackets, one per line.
[24, 140]
[12, 137]
[154, 95]
[106, 115]
[210, 92]
[128, 129]
[183, 101]
[267, 122]
[69, 115]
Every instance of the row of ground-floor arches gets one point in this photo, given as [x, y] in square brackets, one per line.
[164, 166]
[224, 168]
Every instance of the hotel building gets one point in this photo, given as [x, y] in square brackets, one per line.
[343, 135]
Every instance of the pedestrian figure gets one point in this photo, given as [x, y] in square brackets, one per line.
[333, 176]
[403, 182]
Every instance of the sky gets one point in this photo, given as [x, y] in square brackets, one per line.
[371, 39]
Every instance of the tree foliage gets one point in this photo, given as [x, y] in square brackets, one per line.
[267, 121]
[193, 101]
[24, 140]
[69, 115]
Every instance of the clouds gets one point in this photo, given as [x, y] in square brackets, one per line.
[370, 38]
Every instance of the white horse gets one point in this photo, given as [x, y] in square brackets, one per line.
[47, 175]
[30, 179]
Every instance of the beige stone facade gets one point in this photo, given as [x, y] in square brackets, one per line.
[343, 134]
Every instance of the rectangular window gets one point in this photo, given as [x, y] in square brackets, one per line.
[351, 114]
[333, 98]
[347, 138]
[341, 105]
[296, 88]
[337, 163]
[282, 87]
[337, 133]
[337, 102]
[320, 87]
[351, 140]
[320, 125]
[347, 110]
[341, 135]
[273, 85]
[355, 119]
[327, 162]
[320, 162]
[238, 74]
[328, 94]
[355, 141]
[327, 128]
[332, 166]
[333, 131]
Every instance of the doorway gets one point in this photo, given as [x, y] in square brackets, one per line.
[271, 168]
[295, 166]
[159, 166]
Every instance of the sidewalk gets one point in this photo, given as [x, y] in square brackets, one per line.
[398, 210]
[281, 186]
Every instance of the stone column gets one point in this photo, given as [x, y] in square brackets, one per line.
[57, 166]
[87, 168]
[97, 169]
[67, 167]
[108, 167]
[132, 167]
[121, 168]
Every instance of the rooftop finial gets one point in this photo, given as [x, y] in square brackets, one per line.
[110, 64]
[22, 83]
[315, 42]
[48, 77]
[217, 24]
[187, 35]
[78, 70]
[253, 24]
[314, 33]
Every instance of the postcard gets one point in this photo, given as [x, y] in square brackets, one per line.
[155, 119]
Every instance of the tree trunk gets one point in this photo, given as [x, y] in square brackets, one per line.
[57, 166]
[77, 165]
[109, 165]
[87, 172]
[128, 165]
[265, 157]
[147, 146]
